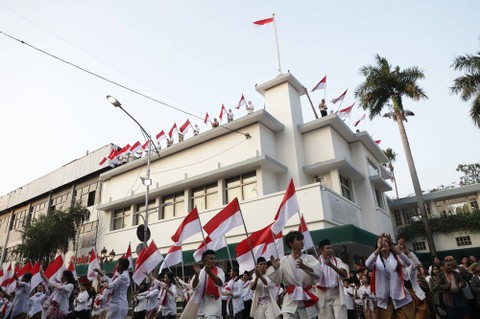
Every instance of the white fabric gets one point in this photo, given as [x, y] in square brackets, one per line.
[265, 297]
[247, 293]
[329, 278]
[35, 303]
[209, 306]
[236, 288]
[152, 298]
[170, 308]
[81, 302]
[62, 295]
[142, 301]
[410, 273]
[349, 294]
[118, 304]
[20, 301]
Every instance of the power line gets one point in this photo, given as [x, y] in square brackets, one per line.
[114, 82]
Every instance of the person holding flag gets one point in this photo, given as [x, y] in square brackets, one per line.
[298, 273]
[60, 298]
[331, 297]
[234, 291]
[20, 301]
[35, 303]
[118, 304]
[264, 304]
[167, 308]
[323, 108]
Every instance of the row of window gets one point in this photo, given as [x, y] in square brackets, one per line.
[244, 187]
[461, 241]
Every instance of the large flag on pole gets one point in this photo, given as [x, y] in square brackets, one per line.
[128, 255]
[359, 120]
[185, 127]
[346, 111]
[307, 237]
[146, 262]
[320, 85]
[227, 219]
[174, 129]
[71, 267]
[263, 21]
[223, 112]
[242, 102]
[93, 263]
[189, 227]
[213, 244]
[174, 256]
[160, 136]
[288, 207]
[7, 276]
[36, 277]
[340, 98]
[55, 269]
[136, 147]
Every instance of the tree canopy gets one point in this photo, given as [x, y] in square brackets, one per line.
[44, 237]
[471, 173]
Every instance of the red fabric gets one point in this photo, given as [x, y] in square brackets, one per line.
[164, 300]
[313, 298]
[210, 287]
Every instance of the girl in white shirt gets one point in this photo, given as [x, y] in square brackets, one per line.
[35, 302]
[167, 307]
[59, 299]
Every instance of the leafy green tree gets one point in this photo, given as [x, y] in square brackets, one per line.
[471, 173]
[392, 157]
[383, 84]
[468, 85]
[44, 237]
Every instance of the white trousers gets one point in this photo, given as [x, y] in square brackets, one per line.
[264, 311]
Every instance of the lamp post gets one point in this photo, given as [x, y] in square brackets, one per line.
[147, 181]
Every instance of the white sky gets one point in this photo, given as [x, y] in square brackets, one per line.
[197, 55]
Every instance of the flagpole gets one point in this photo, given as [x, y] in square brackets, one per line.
[228, 252]
[311, 103]
[276, 43]
[201, 230]
[183, 268]
[302, 230]
[248, 239]
[274, 243]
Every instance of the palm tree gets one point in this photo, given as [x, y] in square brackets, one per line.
[392, 156]
[383, 84]
[468, 85]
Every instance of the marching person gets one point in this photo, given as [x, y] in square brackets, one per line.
[59, 298]
[234, 291]
[167, 306]
[298, 273]
[140, 301]
[246, 295]
[264, 305]
[35, 302]
[20, 301]
[81, 303]
[330, 292]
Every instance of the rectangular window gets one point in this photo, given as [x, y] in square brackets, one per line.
[3, 224]
[173, 205]
[418, 246]
[398, 217]
[140, 212]
[346, 187]
[87, 235]
[473, 203]
[205, 197]
[379, 199]
[121, 218]
[37, 210]
[244, 187]
[19, 219]
[408, 213]
[463, 241]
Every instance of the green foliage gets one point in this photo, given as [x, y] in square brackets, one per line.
[463, 220]
[42, 238]
[471, 173]
[468, 85]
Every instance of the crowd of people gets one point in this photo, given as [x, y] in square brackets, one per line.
[392, 283]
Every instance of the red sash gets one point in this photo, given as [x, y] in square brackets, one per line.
[210, 287]
[308, 303]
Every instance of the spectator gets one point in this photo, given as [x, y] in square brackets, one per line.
[215, 123]
[450, 284]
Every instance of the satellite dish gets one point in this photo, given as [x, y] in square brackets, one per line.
[139, 248]
[141, 233]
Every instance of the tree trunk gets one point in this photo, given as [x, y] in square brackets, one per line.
[395, 184]
[415, 181]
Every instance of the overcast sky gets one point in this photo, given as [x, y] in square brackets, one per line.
[197, 55]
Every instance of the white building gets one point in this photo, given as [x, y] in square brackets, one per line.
[337, 173]
[446, 204]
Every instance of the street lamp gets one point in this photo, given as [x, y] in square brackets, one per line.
[147, 181]
[104, 257]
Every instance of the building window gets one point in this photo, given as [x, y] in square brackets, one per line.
[372, 167]
[408, 213]
[139, 215]
[173, 205]
[10, 255]
[86, 194]
[244, 187]
[3, 224]
[205, 197]
[38, 210]
[379, 199]
[88, 232]
[473, 203]
[19, 219]
[418, 246]
[58, 203]
[121, 218]
[398, 217]
[346, 186]
[463, 241]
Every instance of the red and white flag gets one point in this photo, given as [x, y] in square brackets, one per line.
[93, 263]
[7, 276]
[174, 256]
[71, 267]
[124, 151]
[321, 85]
[227, 219]
[26, 268]
[174, 129]
[346, 111]
[161, 136]
[19, 272]
[288, 207]
[36, 277]
[242, 102]
[207, 119]
[340, 98]
[307, 237]
[263, 21]
[359, 120]
[213, 244]
[189, 227]
[103, 161]
[136, 147]
[146, 262]
[185, 127]
[223, 112]
[2, 275]
[378, 141]
[145, 145]
[55, 269]
[128, 255]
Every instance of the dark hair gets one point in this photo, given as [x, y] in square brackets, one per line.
[207, 252]
[124, 263]
[324, 243]
[27, 277]
[170, 276]
[291, 236]
[261, 260]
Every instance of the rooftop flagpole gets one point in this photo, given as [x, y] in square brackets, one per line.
[276, 43]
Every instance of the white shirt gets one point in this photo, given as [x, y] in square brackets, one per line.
[349, 291]
[170, 307]
[81, 302]
[35, 303]
[119, 287]
[20, 301]
[247, 292]
[61, 295]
